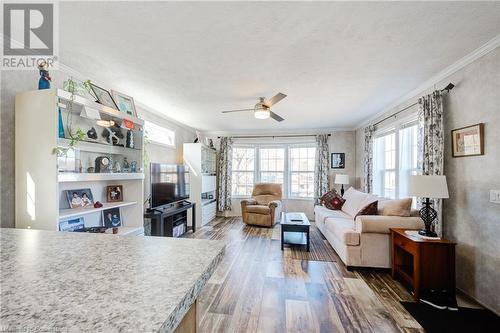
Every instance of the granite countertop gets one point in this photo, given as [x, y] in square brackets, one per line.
[74, 282]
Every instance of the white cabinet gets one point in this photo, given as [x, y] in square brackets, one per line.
[43, 177]
[201, 161]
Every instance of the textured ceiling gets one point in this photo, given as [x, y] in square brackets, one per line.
[338, 62]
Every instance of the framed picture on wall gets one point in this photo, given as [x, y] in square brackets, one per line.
[468, 141]
[338, 160]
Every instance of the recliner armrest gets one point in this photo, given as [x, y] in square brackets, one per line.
[246, 202]
[381, 224]
[274, 204]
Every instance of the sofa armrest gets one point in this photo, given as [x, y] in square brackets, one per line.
[381, 224]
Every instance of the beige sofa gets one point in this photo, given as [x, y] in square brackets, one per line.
[364, 242]
[264, 209]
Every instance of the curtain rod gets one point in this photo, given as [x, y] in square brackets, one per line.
[272, 136]
[446, 89]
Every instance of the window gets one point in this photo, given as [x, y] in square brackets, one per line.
[302, 161]
[272, 165]
[394, 160]
[159, 135]
[243, 163]
[290, 165]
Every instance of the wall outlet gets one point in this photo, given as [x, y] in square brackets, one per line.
[495, 196]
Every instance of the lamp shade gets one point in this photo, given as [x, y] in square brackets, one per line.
[341, 179]
[428, 187]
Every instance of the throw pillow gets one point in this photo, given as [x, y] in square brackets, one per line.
[400, 207]
[370, 209]
[354, 201]
[331, 200]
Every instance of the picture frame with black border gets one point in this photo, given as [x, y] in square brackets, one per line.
[103, 96]
[112, 218]
[337, 160]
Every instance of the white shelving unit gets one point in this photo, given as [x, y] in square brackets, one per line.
[41, 181]
[201, 161]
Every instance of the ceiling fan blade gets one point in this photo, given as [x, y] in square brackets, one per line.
[240, 110]
[275, 99]
[275, 116]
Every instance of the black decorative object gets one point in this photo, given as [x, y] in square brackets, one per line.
[92, 134]
[102, 164]
[113, 135]
[130, 139]
[428, 215]
[103, 96]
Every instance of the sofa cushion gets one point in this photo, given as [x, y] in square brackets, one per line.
[370, 209]
[259, 209]
[382, 224]
[400, 207]
[321, 213]
[332, 200]
[343, 229]
[356, 200]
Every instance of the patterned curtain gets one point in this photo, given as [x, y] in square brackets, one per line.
[224, 168]
[322, 166]
[431, 143]
[368, 159]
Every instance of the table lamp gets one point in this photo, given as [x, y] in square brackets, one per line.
[341, 179]
[427, 187]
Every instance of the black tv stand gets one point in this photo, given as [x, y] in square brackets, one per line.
[167, 222]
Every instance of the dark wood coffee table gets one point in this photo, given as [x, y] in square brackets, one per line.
[294, 229]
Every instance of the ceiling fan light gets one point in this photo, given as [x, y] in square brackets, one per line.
[262, 114]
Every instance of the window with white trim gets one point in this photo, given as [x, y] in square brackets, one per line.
[243, 164]
[157, 134]
[272, 165]
[291, 165]
[394, 160]
[302, 160]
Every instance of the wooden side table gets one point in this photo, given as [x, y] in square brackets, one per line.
[421, 263]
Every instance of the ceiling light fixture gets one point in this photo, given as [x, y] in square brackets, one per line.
[262, 113]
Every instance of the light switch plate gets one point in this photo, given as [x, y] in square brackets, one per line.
[495, 196]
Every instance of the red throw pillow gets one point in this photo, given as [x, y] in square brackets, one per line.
[370, 209]
[332, 200]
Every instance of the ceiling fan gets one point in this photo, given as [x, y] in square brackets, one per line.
[262, 110]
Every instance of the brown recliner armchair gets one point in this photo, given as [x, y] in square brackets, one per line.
[264, 208]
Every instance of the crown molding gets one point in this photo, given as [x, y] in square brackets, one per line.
[267, 132]
[461, 63]
[72, 72]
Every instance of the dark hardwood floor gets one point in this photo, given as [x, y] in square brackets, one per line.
[259, 288]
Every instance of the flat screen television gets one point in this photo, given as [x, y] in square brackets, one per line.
[169, 184]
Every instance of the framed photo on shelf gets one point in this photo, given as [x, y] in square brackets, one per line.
[338, 160]
[80, 198]
[103, 96]
[112, 217]
[468, 141]
[114, 193]
[125, 103]
[72, 224]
